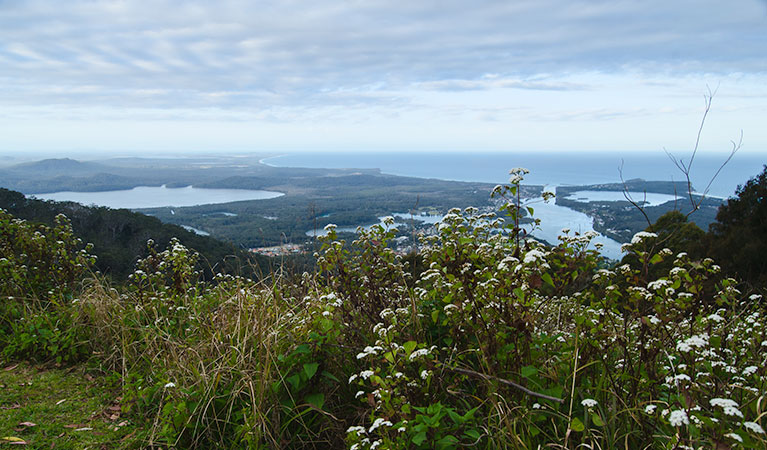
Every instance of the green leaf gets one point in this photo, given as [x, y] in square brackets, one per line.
[577, 425]
[310, 369]
[470, 414]
[455, 417]
[294, 381]
[446, 442]
[529, 371]
[597, 420]
[330, 376]
[419, 438]
[547, 279]
[316, 400]
[472, 434]
[656, 259]
[409, 346]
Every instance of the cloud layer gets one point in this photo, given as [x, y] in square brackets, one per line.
[299, 62]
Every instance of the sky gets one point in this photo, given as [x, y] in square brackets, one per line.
[122, 77]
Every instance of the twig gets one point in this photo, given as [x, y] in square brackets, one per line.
[502, 381]
[627, 196]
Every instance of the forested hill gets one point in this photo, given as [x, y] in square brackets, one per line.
[120, 236]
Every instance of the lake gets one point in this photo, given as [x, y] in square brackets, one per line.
[646, 199]
[553, 219]
[159, 196]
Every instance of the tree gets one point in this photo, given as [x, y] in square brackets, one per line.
[738, 238]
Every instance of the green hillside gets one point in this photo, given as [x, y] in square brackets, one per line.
[120, 236]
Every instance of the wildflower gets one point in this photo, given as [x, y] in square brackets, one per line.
[678, 418]
[681, 378]
[352, 378]
[365, 374]
[424, 374]
[356, 430]
[650, 409]
[379, 422]
[750, 370]
[170, 385]
[642, 235]
[536, 406]
[734, 436]
[753, 427]
[723, 402]
[715, 318]
[730, 407]
[589, 403]
[533, 256]
[677, 271]
[658, 284]
[517, 175]
[697, 340]
[449, 307]
[359, 393]
[368, 351]
[418, 354]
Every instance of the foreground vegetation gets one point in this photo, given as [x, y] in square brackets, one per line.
[495, 342]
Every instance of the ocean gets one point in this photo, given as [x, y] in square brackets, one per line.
[551, 169]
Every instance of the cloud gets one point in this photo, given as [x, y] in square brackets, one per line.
[296, 60]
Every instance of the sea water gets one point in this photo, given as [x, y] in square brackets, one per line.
[550, 169]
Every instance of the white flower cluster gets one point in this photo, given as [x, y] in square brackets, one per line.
[517, 175]
[698, 340]
[641, 236]
[678, 417]
[753, 427]
[658, 284]
[730, 407]
[369, 351]
[420, 353]
[379, 422]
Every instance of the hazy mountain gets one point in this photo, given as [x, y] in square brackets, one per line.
[59, 166]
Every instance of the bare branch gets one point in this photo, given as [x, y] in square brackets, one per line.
[686, 169]
[627, 195]
[502, 381]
